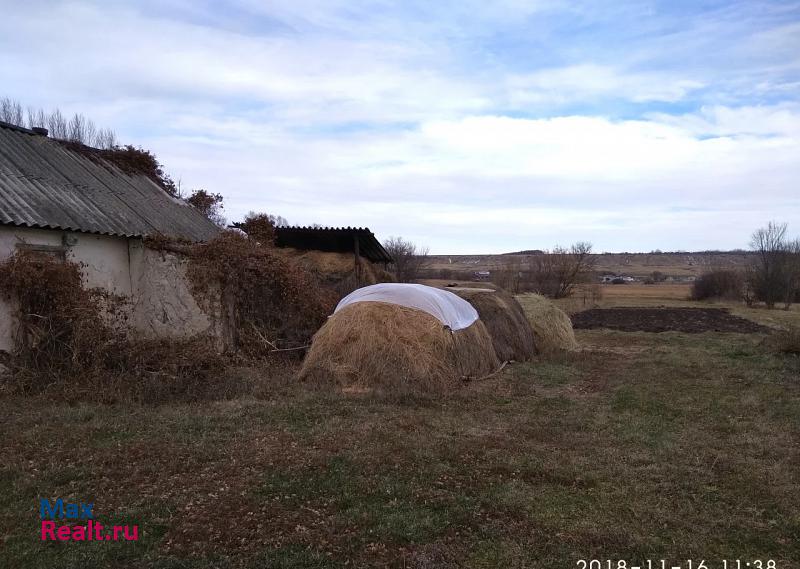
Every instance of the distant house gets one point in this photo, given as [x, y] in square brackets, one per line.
[609, 278]
[77, 206]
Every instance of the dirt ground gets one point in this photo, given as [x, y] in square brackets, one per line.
[689, 320]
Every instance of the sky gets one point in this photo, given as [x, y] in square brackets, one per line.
[465, 126]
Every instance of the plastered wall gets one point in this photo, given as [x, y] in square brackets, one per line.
[161, 301]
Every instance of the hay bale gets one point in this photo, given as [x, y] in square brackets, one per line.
[339, 271]
[505, 320]
[377, 345]
[552, 328]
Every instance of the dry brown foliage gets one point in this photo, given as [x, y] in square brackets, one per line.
[60, 328]
[73, 342]
[390, 348]
[259, 226]
[268, 301]
[785, 341]
[131, 160]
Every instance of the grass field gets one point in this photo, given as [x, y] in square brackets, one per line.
[640, 446]
[633, 264]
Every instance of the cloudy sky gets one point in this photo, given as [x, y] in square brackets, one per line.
[470, 126]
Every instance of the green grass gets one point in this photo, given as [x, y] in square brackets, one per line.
[642, 446]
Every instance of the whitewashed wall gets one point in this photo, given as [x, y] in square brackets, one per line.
[160, 296]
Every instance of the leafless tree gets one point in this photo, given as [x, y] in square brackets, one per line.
[775, 275]
[57, 125]
[105, 139]
[78, 129]
[36, 117]
[792, 293]
[10, 111]
[510, 274]
[409, 259]
[558, 272]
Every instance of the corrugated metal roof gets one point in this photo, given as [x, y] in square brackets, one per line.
[43, 183]
[333, 239]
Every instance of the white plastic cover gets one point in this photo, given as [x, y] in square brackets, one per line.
[451, 310]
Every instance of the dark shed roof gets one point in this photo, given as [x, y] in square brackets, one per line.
[333, 239]
[45, 184]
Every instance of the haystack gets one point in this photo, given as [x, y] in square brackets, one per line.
[394, 348]
[505, 320]
[339, 271]
[552, 328]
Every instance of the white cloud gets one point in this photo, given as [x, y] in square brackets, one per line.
[717, 120]
[579, 82]
[489, 182]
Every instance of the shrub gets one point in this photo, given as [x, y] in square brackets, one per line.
[74, 341]
[61, 330]
[786, 341]
[269, 302]
[259, 226]
[720, 283]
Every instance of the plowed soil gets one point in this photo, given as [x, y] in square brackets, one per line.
[690, 320]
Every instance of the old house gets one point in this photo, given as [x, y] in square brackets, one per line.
[76, 205]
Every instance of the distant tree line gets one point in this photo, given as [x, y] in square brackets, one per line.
[409, 259]
[76, 128]
[773, 276]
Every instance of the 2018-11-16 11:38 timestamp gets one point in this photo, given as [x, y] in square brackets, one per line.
[684, 564]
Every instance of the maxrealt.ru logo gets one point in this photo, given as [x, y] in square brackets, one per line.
[83, 526]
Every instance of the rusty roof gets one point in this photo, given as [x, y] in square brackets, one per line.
[46, 184]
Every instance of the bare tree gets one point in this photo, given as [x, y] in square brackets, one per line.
[106, 139]
[36, 118]
[773, 277]
[509, 275]
[78, 129]
[10, 111]
[558, 272]
[409, 259]
[792, 292]
[57, 125]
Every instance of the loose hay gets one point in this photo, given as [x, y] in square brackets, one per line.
[376, 345]
[339, 271]
[505, 320]
[552, 328]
